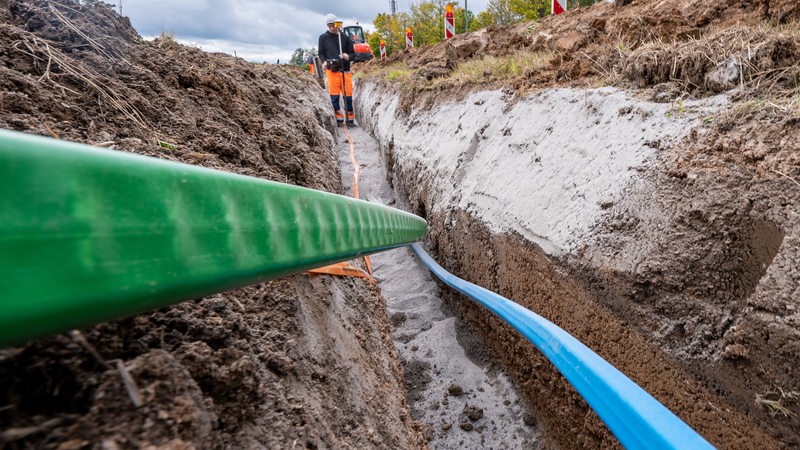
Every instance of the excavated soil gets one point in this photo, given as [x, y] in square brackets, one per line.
[297, 362]
[688, 282]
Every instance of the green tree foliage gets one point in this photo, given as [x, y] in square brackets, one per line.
[374, 41]
[482, 20]
[391, 30]
[299, 57]
[426, 19]
[427, 22]
[461, 17]
[502, 12]
[530, 9]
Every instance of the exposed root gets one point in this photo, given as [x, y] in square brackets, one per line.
[786, 176]
[130, 385]
[42, 52]
[754, 58]
[80, 339]
[774, 402]
[15, 434]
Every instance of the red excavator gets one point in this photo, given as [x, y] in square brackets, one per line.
[363, 50]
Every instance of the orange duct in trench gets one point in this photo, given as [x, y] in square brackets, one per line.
[344, 268]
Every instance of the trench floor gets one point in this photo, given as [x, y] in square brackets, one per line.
[460, 397]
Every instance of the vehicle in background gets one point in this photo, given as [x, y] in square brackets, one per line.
[362, 48]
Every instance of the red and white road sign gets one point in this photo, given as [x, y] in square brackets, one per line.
[449, 23]
[409, 38]
[383, 49]
[559, 6]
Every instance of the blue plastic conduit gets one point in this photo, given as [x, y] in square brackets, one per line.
[637, 419]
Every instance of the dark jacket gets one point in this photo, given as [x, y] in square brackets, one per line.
[328, 47]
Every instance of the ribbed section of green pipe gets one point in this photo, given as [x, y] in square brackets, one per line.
[89, 234]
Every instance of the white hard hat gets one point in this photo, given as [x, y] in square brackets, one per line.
[330, 18]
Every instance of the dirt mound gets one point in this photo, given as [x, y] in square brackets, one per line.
[703, 47]
[297, 361]
[83, 74]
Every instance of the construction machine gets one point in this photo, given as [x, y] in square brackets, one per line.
[362, 48]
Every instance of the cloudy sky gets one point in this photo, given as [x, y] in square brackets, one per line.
[257, 30]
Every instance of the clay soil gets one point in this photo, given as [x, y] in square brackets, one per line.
[298, 362]
[690, 284]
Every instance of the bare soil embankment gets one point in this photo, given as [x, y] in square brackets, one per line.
[655, 220]
[296, 362]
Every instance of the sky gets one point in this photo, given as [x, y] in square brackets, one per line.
[256, 30]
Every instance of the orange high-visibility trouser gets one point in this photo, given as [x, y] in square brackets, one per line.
[335, 89]
[335, 83]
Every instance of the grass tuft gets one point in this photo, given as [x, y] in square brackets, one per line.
[774, 402]
[499, 68]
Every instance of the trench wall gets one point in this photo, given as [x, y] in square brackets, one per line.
[521, 197]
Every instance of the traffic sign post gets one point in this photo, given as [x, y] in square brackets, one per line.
[449, 23]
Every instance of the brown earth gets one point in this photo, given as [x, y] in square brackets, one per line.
[296, 362]
[258, 366]
[691, 285]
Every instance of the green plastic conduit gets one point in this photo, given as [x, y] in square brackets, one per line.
[88, 234]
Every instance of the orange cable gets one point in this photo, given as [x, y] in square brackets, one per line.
[344, 268]
[356, 170]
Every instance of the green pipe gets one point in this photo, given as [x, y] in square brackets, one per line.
[89, 234]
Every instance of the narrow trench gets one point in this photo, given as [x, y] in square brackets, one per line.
[462, 400]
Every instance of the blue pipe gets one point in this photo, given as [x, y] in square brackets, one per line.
[637, 419]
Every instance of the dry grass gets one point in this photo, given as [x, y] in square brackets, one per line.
[398, 72]
[774, 401]
[57, 68]
[783, 105]
[94, 43]
[498, 68]
[472, 71]
[167, 36]
[761, 59]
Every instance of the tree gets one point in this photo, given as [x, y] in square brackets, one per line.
[388, 28]
[427, 22]
[530, 9]
[426, 19]
[299, 57]
[482, 20]
[502, 12]
[461, 17]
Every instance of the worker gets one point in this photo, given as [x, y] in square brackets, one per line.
[337, 62]
[310, 62]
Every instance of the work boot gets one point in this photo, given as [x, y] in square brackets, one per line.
[339, 123]
[351, 124]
